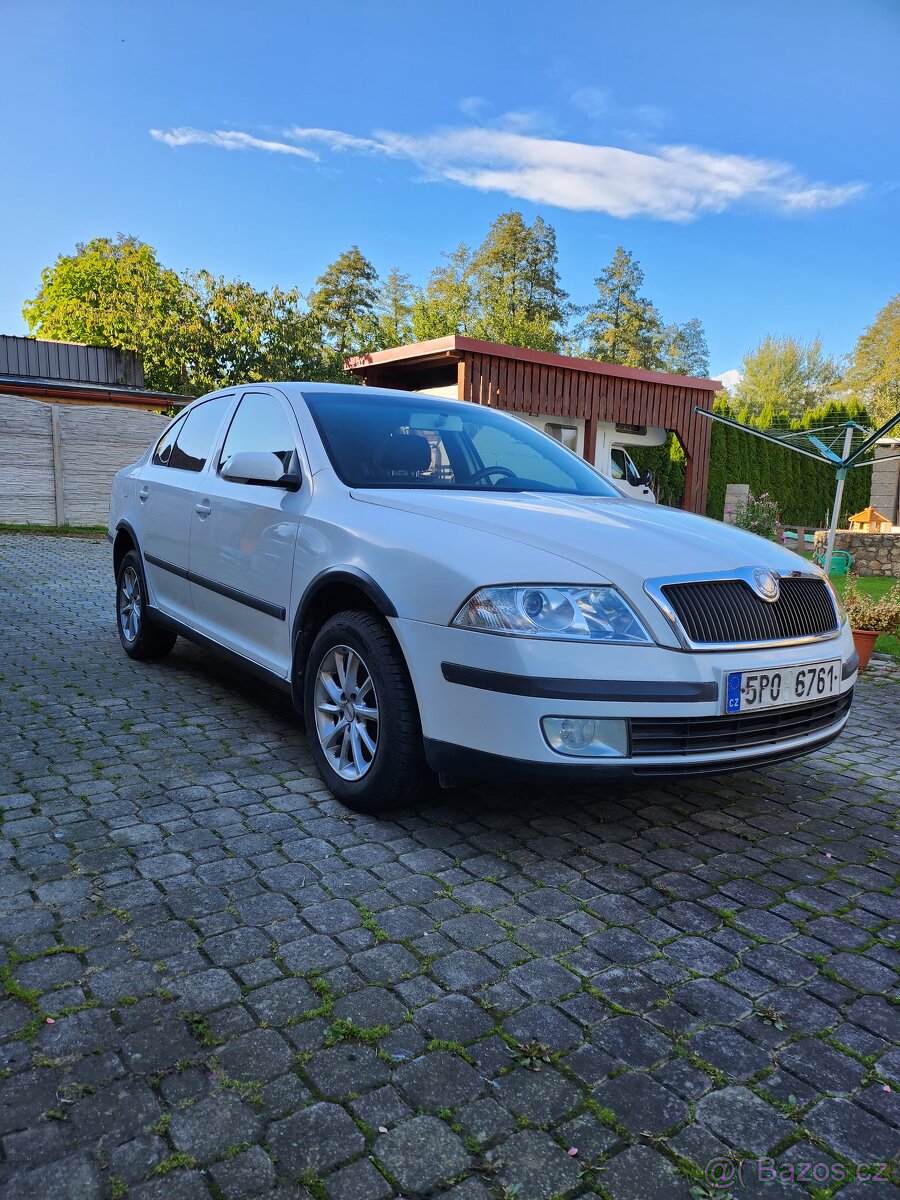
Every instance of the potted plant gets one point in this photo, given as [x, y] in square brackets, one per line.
[869, 617]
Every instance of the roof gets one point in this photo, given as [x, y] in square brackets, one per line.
[66, 391]
[75, 373]
[454, 347]
[868, 516]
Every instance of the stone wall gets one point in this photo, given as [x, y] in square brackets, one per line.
[885, 496]
[873, 553]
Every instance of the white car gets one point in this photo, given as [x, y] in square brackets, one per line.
[441, 586]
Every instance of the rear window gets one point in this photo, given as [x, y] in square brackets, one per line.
[195, 440]
[163, 450]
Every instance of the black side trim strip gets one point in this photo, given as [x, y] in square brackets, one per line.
[580, 689]
[851, 665]
[222, 589]
[181, 572]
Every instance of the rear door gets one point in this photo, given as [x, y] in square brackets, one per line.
[243, 537]
[166, 495]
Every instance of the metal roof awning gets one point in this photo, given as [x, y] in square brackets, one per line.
[65, 391]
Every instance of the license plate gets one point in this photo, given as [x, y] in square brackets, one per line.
[776, 687]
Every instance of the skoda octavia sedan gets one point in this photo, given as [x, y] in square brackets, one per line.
[441, 587]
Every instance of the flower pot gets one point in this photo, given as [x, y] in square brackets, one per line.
[864, 640]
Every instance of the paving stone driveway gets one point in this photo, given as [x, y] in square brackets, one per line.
[256, 993]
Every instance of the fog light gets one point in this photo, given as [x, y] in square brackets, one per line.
[586, 737]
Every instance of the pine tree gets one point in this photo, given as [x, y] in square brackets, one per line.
[395, 309]
[344, 306]
[622, 326]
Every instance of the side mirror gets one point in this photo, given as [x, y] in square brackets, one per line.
[647, 478]
[260, 467]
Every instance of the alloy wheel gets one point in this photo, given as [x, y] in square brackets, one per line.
[130, 604]
[347, 716]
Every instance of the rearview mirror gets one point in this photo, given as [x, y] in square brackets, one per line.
[432, 421]
[260, 467]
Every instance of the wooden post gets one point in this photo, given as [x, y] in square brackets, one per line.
[461, 379]
[590, 439]
[58, 490]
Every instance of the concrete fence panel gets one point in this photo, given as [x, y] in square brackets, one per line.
[57, 461]
[26, 462]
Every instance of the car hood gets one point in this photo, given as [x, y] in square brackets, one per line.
[625, 541]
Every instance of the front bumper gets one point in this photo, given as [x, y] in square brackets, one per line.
[482, 698]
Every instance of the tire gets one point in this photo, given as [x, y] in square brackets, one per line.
[362, 779]
[140, 636]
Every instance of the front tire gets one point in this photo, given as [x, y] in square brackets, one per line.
[139, 634]
[361, 715]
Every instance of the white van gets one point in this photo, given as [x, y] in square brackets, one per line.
[611, 456]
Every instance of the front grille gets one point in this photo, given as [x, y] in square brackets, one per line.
[707, 735]
[729, 612]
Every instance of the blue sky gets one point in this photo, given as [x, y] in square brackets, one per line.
[746, 152]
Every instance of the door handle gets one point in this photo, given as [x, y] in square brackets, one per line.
[143, 493]
[204, 508]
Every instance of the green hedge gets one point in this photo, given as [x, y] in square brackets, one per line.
[802, 487]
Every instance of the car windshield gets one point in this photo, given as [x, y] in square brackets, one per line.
[422, 442]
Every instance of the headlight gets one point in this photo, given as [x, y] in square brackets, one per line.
[540, 610]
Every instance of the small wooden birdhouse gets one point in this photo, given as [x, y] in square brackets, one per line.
[869, 521]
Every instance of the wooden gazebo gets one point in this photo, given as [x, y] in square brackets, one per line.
[531, 381]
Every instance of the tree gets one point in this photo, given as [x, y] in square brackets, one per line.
[684, 349]
[516, 291]
[787, 373]
[116, 293]
[445, 304]
[874, 374]
[344, 306]
[507, 291]
[395, 310]
[622, 326]
[240, 334]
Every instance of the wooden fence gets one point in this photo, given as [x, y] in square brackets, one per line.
[57, 461]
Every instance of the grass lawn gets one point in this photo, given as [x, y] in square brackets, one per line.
[875, 587]
[55, 530]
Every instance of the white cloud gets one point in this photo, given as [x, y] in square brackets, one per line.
[594, 102]
[473, 106]
[669, 183]
[334, 139]
[226, 139]
[730, 379]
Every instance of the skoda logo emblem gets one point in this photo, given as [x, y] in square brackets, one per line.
[765, 584]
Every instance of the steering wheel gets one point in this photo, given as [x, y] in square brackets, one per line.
[486, 471]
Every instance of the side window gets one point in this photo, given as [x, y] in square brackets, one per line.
[164, 446]
[195, 438]
[617, 464]
[260, 424]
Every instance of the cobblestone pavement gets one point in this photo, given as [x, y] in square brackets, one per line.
[255, 993]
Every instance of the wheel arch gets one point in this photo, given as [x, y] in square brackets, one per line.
[333, 590]
[125, 540]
